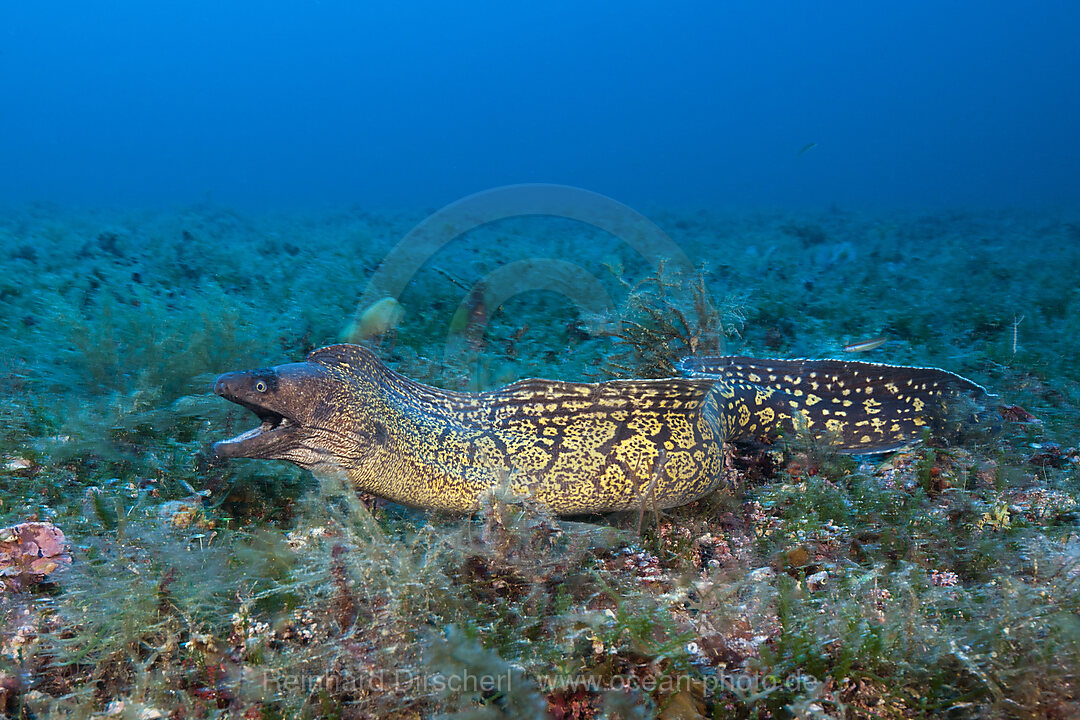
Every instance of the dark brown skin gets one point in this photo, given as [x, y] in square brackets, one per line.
[577, 447]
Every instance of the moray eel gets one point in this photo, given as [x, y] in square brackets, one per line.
[576, 447]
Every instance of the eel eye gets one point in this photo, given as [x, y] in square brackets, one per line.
[260, 386]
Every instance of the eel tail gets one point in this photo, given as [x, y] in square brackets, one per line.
[860, 407]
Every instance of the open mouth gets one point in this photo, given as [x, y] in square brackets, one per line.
[258, 442]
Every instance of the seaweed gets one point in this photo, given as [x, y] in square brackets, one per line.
[938, 580]
[666, 317]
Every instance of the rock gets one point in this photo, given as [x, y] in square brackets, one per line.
[797, 557]
[817, 580]
[30, 552]
[182, 514]
[18, 464]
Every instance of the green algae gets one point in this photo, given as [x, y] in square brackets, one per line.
[950, 575]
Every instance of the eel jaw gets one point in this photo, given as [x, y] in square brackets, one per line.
[270, 440]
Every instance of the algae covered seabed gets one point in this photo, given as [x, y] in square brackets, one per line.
[940, 581]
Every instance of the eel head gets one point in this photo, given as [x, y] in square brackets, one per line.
[292, 403]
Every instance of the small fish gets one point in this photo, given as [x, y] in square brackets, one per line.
[807, 146]
[866, 345]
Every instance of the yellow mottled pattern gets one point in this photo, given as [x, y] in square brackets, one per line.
[576, 447]
[619, 445]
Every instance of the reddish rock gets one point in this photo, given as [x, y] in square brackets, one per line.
[1017, 414]
[30, 552]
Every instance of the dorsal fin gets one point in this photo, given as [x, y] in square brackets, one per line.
[347, 356]
[652, 395]
[786, 374]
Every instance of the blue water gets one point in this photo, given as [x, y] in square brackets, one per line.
[310, 102]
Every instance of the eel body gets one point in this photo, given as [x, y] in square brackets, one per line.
[576, 447]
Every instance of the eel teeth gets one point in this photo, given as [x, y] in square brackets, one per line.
[270, 423]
